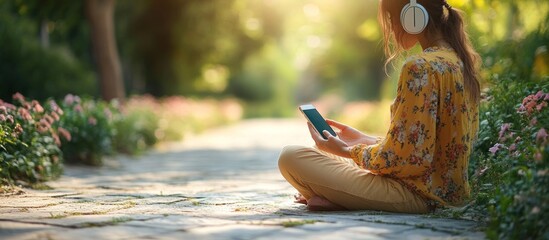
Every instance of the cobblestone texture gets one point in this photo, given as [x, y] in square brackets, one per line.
[223, 184]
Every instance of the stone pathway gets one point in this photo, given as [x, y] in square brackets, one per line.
[223, 184]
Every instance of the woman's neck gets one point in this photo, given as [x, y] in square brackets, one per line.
[436, 40]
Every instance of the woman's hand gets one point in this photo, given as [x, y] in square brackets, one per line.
[332, 145]
[350, 135]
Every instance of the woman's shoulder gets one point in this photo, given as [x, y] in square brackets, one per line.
[434, 60]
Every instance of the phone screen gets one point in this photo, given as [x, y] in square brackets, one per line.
[316, 119]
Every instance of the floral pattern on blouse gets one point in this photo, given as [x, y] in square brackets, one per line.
[433, 125]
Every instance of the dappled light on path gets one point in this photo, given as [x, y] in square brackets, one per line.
[223, 184]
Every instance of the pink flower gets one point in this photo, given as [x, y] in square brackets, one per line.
[43, 126]
[513, 147]
[56, 139]
[534, 121]
[496, 148]
[521, 109]
[530, 106]
[24, 114]
[541, 136]
[49, 119]
[3, 118]
[92, 121]
[18, 97]
[541, 105]
[27, 106]
[3, 109]
[10, 119]
[55, 116]
[539, 95]
[503, 129]
[78, 108]
[37, 107]
[64, 133]
[69, 99]
[530, 103]
[55, 107]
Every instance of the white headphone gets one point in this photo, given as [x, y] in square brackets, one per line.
[414, 17]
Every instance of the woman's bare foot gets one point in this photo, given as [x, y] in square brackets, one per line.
[300, 199]
[317, 203]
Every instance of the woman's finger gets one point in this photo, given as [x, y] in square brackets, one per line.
[314, 134]
[327, 134]
[336, 124]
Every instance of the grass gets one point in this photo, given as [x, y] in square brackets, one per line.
[112, 222]
[194, 201]
[57, 216]
[9, 189]
[126, 205]
[241, 209]
[40, 186]
[298, 223]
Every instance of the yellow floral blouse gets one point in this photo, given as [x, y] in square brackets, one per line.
[433, 125]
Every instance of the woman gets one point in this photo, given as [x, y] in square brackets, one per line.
[422, 161]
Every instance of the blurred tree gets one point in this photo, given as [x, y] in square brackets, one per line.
[176, 41]
[64, 21]
[257, 50]
[352, 64]
[100, 18]
[37, 71]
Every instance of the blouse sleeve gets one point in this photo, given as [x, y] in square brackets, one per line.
[408, 148]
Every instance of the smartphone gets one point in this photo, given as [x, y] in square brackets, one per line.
[314, 117]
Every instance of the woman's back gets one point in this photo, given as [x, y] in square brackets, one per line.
[436, 123]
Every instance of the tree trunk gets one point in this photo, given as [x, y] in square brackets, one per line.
[100, 17]
[44, 33]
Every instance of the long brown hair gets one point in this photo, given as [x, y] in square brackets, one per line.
[450, 25]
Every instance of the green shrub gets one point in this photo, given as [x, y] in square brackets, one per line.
[91, 125]
[36, 71]
[29, 145]
[137, 128]
[510, 162]
[179, 115]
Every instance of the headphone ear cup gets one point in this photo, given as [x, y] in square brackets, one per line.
[414, 18]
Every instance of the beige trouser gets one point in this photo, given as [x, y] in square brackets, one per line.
[316, 173]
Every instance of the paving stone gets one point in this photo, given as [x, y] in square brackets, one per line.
[234, 231]
[28, 202]
[208, 187]
[110, 232]
[17, 231]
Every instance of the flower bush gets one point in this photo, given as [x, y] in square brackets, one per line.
[147, 120]
[509, 168]
[29, 142]
[137, 129]
[34, 140]
[180, 116]
[91, 125]
[99, 128]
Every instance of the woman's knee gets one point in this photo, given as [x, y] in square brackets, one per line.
[289, 155]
